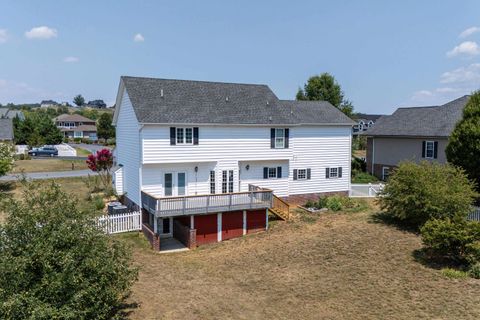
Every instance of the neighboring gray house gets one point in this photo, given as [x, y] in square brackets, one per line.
[6, 129]
[417, 133]
[6, 113]
[364, 122]
[76, 126]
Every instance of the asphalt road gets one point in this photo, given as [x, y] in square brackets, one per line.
[48, 175]
[90, 147]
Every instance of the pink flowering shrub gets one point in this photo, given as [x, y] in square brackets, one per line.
[102, 162]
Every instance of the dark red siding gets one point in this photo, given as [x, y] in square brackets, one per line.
[232, 225]
[206, 228]
[256, 220]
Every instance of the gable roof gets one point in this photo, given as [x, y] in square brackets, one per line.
[434, 121]
[6, 129]
[72, 118]
[202, 102]
[8, 113]
[367, 117]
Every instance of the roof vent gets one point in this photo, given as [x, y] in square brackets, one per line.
[267, 102]
[161, 93]
[270, 118]
[226, 99]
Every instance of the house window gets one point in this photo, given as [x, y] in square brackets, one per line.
[429, 149]
[212, 182]
[78, 134]
[279, 138]
[184, 135]
[227, 181]
[302, 174]
[385, 173]
[272, 173]
[188, 135]
[180, 135]
[230, 181]
[333, 172]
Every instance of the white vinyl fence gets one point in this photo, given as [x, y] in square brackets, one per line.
[365, 190]
[122, 222]
[475, 215]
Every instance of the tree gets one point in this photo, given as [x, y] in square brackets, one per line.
[325, 88]
[416, 193]
[6, 158]
[79, 100]
[55, 263]
[37, 129]
[105, 128]
[463, 147]
[102, 163]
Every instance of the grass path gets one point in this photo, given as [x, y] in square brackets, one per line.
[48, 165]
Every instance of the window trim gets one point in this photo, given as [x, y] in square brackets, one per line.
[281, 137]
[299, 174]
[183, 131]
[433, 149]
[333, 169]
[383, 172]
[213, 186]
[274, 171]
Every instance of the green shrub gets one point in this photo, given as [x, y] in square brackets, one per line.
[454, 274]
[474, 270]
[334, 203]
[359, 165]
[363, 177]
[309, 204]
[455, 239]
[98, 203]
[77, 140]
[418, 192]
[322, 202]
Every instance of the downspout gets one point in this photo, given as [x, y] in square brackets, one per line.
[373, 155]
[140, 173]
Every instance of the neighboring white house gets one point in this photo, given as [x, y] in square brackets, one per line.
[187, 148]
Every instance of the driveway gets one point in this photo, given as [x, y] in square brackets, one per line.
[48, 175]
[90, 147]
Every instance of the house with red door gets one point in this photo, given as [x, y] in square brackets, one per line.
[208, 161]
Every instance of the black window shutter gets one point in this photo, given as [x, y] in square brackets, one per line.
[435, 147]
[272, 138]
[424, 143]
[327, 173]
[265, 173]
[339, 172]
[173, 136]
[195, 135]
[309, 174]
[295, 175]
[279, 172]
[287, 137]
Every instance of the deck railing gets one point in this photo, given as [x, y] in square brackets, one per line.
[208, 203]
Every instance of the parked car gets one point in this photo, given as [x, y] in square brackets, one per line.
[44, 151]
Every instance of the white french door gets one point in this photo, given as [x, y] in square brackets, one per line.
[175, 184]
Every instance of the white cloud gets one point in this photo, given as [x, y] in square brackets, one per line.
[469, 48]
[468, 32]
[42, 32]
[3, 35]
[469, 75]
[138, 38]
[71, 59]
[21, 92]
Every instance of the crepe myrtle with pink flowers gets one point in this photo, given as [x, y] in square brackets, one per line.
[102, 162]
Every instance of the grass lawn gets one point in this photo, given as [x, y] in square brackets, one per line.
[82, 152]
[328, 266]
[46, 165]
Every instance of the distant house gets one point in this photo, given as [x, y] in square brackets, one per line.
[6, 129]
[6, 113]
[364, 122]
[417, 133]
[76, 126]
[99, 104]
[48, 104]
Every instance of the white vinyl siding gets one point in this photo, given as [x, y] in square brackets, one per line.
[128, 148]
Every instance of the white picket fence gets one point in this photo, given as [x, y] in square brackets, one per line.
[475, 215]
[122, 222]
[365, 190]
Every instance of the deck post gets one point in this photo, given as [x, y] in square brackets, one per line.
[208, 203]
[229, 201]
[184, 202]
[251, 199]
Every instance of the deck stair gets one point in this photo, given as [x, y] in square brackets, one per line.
[280, 208]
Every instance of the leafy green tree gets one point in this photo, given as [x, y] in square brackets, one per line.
[37, 129]
[105, 128]
[6, 158]
[463, 147]
[324, 87]
[79, 100]
[62, 110]
[416, 193]
[55, 263]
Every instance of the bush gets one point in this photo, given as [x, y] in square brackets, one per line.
[56, 264]
[418, 192]
[474, 271]
[363, 177]
[334, 203]
[310, 204]
[322, 202]
[455, 239]
[98, 203]
[359, 165]
[454, 274]
[77, 140]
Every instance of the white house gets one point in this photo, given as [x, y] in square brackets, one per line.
[207, 160]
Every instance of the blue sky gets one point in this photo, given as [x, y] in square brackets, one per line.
[385, 54]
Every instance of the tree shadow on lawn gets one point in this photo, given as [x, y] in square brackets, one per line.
[7, 186]
[426, 258]
[386, 218]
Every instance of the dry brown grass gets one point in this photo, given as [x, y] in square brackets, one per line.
[47, 165]
[333, 266]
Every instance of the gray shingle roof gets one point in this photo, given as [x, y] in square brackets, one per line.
[72, 118]
[203, 102]
[6, 129]
[434, 121]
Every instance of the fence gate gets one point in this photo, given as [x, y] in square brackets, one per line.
[123, 222]
[475, 215]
